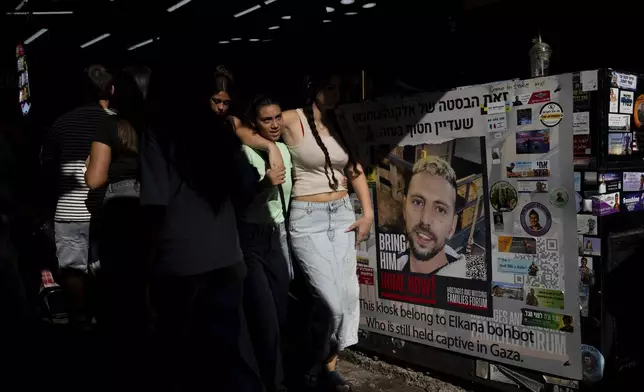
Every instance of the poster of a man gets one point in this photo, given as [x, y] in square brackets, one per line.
[433, 222]
[429, 213]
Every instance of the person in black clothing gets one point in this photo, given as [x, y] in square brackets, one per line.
[114, 161]
[193, 176]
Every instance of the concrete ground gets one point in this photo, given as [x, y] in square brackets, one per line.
[372, 375]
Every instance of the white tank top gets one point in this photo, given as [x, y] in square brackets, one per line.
[309, 177]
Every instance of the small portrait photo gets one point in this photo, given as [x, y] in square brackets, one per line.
[536, 219]
[498, 221]
[503, 196]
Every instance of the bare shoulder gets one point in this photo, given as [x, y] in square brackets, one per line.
[236, 121]
[291, 120]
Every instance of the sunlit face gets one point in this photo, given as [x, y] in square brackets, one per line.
[220, 103]
[269, 122]
[429, 213]
[329, 95]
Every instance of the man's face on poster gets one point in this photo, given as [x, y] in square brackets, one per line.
[429, 213]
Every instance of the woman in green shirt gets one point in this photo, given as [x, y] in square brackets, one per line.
[262, 235]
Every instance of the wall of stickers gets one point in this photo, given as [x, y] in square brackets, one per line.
[609, 184]
[475, 227]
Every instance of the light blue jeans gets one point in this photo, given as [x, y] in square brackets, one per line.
[327, 255]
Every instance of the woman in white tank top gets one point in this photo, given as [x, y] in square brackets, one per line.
[322, 226]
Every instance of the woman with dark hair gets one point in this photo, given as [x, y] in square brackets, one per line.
[114, 162]
[262, 233]
[193, 177]
[222, 91]
[323, 229]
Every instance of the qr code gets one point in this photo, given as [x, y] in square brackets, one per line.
[549, 274]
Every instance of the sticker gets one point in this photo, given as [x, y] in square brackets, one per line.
[535, 219]
[588, 80]
[524, 245]
[551, 114]
[513, 266]
[620, 144]
[581, 145]
[496, 155]
[503, 196]
[539, 97]
[528, 169]
[498, 221]
[610, 182]
[496, 107]
[590, 178]
[544, 298]
[578, 200]
[581, 123]
[633, 201]
[619, 122]
[633, 181]
[592, 246]
[533, 142]
[524, 116]
[497, 122]
[559, 197]
[639, 112]
[519, 100]
[554, 321]
[508, 290]
[586, 224]
[592, 364]
[606, 204]
[518, 279]
[583, 299]
[498, 135]
[532, 186]
[626, 102]
[621, 80]
[613, 105]
[577, 181]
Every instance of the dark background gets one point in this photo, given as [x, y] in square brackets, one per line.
[425, 45]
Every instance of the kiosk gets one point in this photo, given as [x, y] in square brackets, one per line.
[474, 267]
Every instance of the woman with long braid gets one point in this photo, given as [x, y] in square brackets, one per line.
[323, 229]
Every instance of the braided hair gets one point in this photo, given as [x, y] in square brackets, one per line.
[313, 86]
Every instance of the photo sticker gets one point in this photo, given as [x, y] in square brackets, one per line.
[503, 196]
[619, 122]
[528, 169]
[551, 114]
[498, 221]
[496, 155]
[591, 246]
[626, 102]
[524, 245]
[532, 186]
[586, 273]
[536, 219]
[508, 290]
[524, 116]
[613, 105]
[559, 197]
[533, 142]
[586, 224]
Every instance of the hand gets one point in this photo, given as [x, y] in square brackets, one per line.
[344, 182]
[276, 176]
[275, 157]
[362, 227]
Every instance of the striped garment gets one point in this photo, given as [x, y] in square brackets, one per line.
[68, 146]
